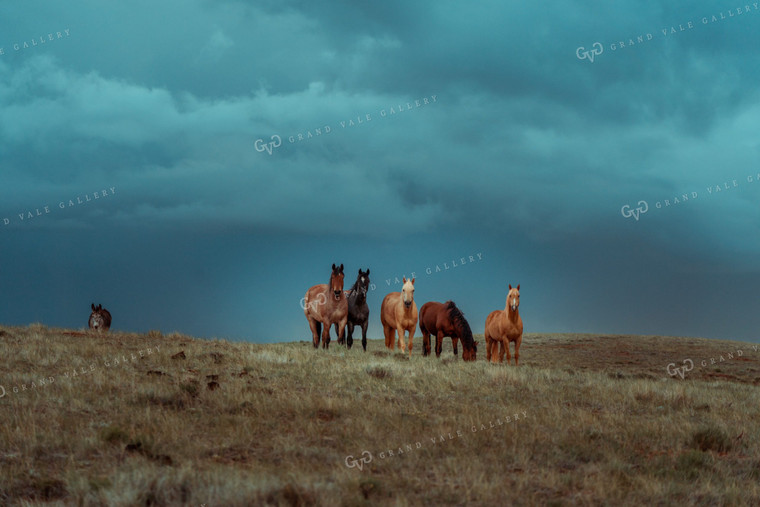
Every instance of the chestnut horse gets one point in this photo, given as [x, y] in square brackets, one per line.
[445, 319]
[100, 318]
[358, 311]
[324, 305]
[504, 326]
[398, 313]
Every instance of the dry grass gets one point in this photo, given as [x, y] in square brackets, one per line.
[600, 423]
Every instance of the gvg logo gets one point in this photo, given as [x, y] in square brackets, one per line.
[321, 299]
[627, 212]
[359, 463]
[583, 54]
[688, 365]
[275, 142]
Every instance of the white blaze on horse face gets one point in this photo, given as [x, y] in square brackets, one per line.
[407, 292]
[514, 300]
[97, 321]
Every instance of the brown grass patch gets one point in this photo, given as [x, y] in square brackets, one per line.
[605, 423]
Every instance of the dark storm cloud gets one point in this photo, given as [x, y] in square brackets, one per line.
[525, 144]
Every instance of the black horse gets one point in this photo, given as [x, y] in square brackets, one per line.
[358, 311]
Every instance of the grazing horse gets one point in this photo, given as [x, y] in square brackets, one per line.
[445, 319]
[399, 313]
[324, 305]
[358, 311]
[504, 326]
[100, 318]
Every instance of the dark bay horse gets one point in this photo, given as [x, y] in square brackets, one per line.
[324, 305]
[358, 310]
[100, 318]
[445, 319]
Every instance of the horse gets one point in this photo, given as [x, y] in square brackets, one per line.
[325, 304]
[504, 326]
[100, 318]
[399, 313]
[445, 319]
[358, 311]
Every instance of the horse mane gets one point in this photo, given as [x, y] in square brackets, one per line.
[456, 316]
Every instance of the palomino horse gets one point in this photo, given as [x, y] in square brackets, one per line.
[358, 311]
[399, 313]
[445, 319]
[504, 326]
[100, 318]
[324, 305]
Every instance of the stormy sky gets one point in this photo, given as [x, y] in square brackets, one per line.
[604, 157]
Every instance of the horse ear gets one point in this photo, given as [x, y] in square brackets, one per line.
[334, 267]
[367, 271]
[518, 286]
[341, 268]
[510, 286]
[403, 279]
[412, 281]
[92, 305]
[360, 271]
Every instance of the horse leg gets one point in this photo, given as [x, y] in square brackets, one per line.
[365, 324]
[438, 343]
[388, 336]
[340, 328]
[454, 343]
[497, 352]
[401, 344]
[316, 330]
[350, 335]
[338, 336]
[517, 348]
[425, 342]
[506, 347]
[326, 336]
[411, 339]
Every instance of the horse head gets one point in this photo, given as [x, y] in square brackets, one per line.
[98, 318]
[469, 345]
[336, 281]
[470, 354]
[407, 292]
[361, 286]
[513, 298]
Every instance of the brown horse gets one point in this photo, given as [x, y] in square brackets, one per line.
[504, 326]
[325, 305]
[445, 319]
[399, 313]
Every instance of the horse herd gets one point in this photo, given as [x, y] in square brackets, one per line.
[328, 304]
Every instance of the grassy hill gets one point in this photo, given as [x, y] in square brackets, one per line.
[170, 420]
